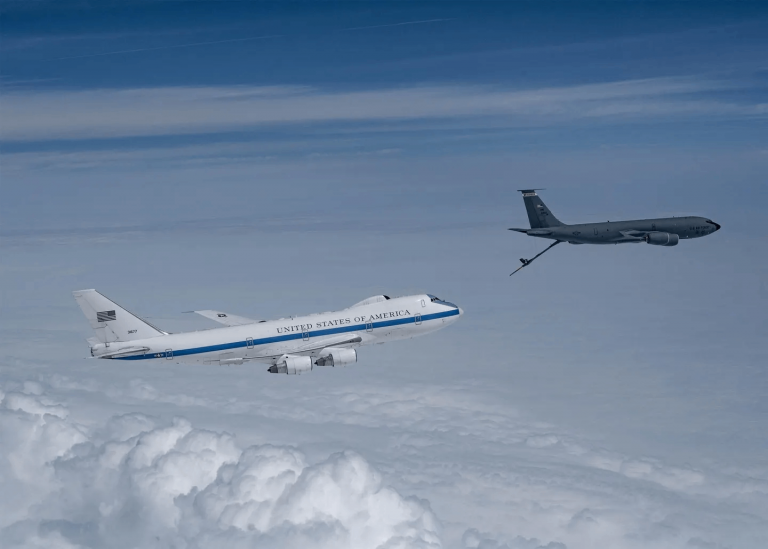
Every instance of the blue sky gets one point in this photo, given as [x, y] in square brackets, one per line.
[276, 159]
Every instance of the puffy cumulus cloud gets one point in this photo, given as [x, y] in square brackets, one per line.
[338, 503]
[530, 485]
[133, 483]
[33, 433]
[496, 479]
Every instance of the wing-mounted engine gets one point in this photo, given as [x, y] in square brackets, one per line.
[336, 356]
[291, 365]
[662, 239]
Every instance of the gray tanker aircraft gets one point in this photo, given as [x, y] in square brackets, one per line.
[665, 231]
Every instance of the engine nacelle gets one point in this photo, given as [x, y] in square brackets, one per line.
[662, 239]
[336, 357]
[292, 365]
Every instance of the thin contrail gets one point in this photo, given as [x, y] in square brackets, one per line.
[171, 47]
[400, 24]
[241, 40]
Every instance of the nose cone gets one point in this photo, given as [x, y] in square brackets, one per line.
[717, 225]
[461, 311]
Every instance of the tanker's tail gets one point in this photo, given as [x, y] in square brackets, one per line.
[538, 213]
[110, 321]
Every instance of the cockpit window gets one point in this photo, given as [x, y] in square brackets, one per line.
[435, 299]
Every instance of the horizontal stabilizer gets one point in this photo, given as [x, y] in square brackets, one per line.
[226, 318]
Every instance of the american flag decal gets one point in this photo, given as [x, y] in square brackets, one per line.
[105, 316]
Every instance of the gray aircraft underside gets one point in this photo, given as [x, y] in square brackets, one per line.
[665, 231]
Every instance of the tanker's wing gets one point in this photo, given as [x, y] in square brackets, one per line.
[226, 318]
[633, 235]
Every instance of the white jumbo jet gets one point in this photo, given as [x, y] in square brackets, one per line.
[290, 345]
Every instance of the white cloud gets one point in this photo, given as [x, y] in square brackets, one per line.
[68, 114]
[132, 483]
[495, 479]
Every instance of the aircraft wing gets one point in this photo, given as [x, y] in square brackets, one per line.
[332, 341]
[317, 344]
[226, 318]
[633, 236]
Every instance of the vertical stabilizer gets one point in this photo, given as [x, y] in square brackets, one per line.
[538, 214]
[110, 321]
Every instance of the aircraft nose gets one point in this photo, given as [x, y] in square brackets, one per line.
[717, 225]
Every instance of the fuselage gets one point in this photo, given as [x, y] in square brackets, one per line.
[619, 232]
[266, 341]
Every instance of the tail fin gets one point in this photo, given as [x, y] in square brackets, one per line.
[538, 213]
[110, 321]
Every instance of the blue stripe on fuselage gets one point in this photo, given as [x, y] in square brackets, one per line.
[298, 335]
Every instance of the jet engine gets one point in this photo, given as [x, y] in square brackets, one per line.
[662, 239]
[292, 365]
[336, 357]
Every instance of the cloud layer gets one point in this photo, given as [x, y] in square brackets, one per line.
[134, 483]
[94, 113]
[494, 479]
